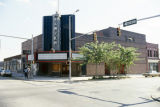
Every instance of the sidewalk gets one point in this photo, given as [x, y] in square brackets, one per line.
[61, 79]
[50, 79]
[58, 79]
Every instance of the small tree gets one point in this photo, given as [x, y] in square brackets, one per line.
[93, 53]
[127, 56]
[115, 56]
[111, 55]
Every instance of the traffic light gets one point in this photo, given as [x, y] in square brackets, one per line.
[118, 31]
[94, 36]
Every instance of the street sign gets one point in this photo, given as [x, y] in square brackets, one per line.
[30, 57]
[26, 52]
[130, 22]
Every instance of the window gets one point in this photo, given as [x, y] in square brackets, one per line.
[154, 53]
[129, 39]
[148, 53]
[153, 67]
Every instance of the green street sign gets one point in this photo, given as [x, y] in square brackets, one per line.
[26, 52]
[130, 22]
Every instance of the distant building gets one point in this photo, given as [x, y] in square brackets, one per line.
[13, 63]
[153, 63]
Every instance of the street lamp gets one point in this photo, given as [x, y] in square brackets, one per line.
[70, 39]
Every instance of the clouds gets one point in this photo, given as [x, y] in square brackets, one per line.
[53, 3]
[24, 1]
[2, 4]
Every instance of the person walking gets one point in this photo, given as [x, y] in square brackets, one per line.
[26, 73]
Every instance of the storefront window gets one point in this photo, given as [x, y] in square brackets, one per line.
[153, 67]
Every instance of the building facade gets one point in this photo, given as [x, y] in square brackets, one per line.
[65, 32]
[51, 49]
[13, 63]
[51, 32]
[1, 65]
[127, 39]
[153, 64]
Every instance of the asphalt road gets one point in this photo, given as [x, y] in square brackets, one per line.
[132, 92]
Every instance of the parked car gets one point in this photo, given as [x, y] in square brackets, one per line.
[0, 71]
[6, 73]
[152, 74]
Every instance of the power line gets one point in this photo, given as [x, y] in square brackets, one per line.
[13, 37]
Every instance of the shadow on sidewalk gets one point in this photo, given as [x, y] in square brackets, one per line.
[66, 91]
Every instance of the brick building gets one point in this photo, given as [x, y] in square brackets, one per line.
[127, 39]
[148, 58]
[153, 63]
[13, 63]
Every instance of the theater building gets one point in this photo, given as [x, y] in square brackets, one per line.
[55, 62]
[51, 49]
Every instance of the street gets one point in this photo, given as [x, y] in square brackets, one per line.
[131, 92]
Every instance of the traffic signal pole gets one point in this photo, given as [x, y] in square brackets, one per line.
[32, 59]
[131, 22]
[150, 17]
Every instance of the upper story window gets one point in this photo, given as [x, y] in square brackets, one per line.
[152, 53]
[155, 53]
[129, 39]
[148, 53]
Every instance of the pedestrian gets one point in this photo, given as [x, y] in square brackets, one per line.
[26, 73]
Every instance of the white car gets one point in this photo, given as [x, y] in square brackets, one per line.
[6, 73]
[152, 74]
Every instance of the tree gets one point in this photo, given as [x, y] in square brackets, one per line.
[127, 56]
[93, 53]
[113, 55]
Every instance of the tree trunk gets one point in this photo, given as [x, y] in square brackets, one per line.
[96, 71]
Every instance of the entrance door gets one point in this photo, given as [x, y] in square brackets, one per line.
[65, 70]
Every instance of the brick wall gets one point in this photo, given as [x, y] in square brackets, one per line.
[127, 39]
[91, 69]
[37, 44]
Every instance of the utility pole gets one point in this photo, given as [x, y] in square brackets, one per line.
[70, 52]
[70, 40]
[70, 63]
[58, 7]
[32, 54]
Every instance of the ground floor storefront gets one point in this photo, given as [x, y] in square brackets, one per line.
[59, 68]
[153, 65]
[56, 64]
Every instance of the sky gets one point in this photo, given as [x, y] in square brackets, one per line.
[23, 18]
